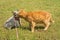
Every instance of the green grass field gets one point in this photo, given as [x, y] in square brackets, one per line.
[52, 6]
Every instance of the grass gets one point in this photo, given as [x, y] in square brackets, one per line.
[52, 6]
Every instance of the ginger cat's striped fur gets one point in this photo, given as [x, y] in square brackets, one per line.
[36, 17]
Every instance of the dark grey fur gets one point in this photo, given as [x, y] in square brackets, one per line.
[11, 22]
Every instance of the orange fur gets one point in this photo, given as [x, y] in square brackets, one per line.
[36, 17]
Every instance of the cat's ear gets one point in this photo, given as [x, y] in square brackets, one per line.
[22, 11]
[15, 12]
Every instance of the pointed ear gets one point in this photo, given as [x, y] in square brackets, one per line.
[15, 12]
[22, 11]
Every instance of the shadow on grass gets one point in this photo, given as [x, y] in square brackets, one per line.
[25, 28]
[38, 28]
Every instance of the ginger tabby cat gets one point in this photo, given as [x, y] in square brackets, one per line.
[35, 17]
